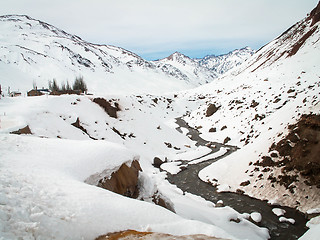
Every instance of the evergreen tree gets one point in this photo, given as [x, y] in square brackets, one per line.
[79, 84]
[68, 87]
[53, 86]
[63, 87]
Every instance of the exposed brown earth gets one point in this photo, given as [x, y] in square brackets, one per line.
[132, 234]
[109, 109]
[299, 152]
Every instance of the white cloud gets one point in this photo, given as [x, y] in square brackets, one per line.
[147, 24]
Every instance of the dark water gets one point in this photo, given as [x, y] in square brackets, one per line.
[188, 180]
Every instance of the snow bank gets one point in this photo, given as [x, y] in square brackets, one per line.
[43, 195]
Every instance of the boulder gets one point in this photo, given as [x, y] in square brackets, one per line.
[124, 181]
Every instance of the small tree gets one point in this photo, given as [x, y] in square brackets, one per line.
[53, 86]
[68, 87]
[63, 87]
[79, 84]
[34, 84]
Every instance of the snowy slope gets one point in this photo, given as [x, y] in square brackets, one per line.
[257, 101]
[52, 192]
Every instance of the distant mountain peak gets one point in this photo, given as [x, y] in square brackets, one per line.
[176, 55]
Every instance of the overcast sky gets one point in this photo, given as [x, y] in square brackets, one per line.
[155, 28]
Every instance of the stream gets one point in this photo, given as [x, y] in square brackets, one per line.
[188, 180]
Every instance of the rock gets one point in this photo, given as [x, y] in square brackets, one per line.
[25, 130]
[162, 201]
[256, 217]
[124, 181]
[239, 191]
[133, 234]
[226, 140]
[157, 162]
[245, 183]
[77, 125]
[212, 109]
[219, 204]
[212, 129]
[110, 110]
[254, 103]
[223, 128]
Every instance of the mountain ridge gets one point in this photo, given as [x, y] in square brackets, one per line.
[31, 47]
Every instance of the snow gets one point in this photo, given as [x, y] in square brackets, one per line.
[43, 192]
[314, 231]
[214, 155]
[256, 217]
[314, 210]
[171, 167]
[278, 211]
[43, 177]
[289, 220]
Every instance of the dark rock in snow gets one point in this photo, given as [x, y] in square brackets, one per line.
[110, 110]
[245, 183]
[157, 162]
[211, 110]
[212, 129]
[25, 130]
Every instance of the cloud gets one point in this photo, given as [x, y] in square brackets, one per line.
[154, 25]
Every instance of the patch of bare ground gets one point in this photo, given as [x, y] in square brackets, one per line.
[300, 149]
[134, 235]
[25, 130]
[294, 164]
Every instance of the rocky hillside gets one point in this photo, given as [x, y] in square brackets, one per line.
[259, 107]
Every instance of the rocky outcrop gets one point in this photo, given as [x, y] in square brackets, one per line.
[162, 201]
[315, 14]
[157, 162]
[109, 109]
[124, 181]
[212, 109]
[25, 130]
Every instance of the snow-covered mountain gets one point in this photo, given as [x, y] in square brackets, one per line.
[208, 68]
[222, 63]
[33, 52]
